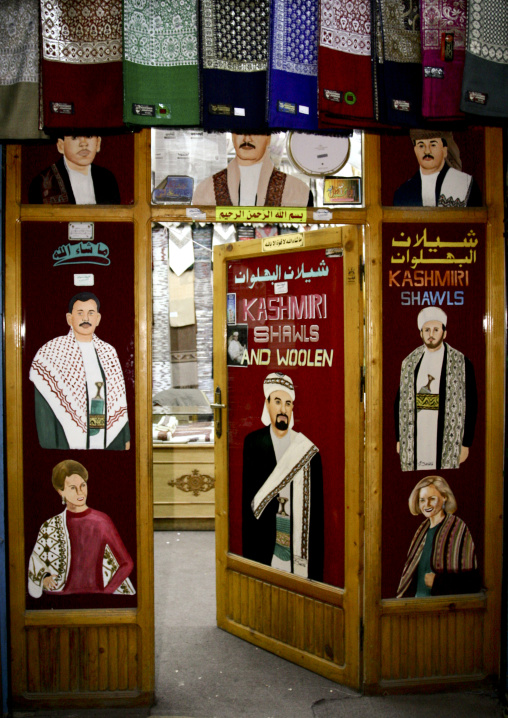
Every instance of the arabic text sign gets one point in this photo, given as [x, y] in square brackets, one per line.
[285, 241]
[261, 214]
[426, 247]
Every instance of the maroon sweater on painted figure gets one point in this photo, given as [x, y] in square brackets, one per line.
[89, 532]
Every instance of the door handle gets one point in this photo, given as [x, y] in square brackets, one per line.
[217, 407]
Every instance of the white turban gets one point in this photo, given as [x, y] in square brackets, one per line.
[431, 314]
[277, 382]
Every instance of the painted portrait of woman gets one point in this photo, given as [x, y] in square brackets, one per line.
[441, 559]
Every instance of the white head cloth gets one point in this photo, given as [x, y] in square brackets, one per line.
[431, 314]
[277, 382]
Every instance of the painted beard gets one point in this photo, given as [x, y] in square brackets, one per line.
[281, 422]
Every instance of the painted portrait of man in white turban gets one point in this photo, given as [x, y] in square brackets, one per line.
[436, 404]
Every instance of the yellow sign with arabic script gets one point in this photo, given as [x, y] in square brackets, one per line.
[267, 215]
[429, 250]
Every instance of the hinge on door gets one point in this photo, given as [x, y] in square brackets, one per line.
[362, 383]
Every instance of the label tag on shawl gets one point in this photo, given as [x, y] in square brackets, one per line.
[479, 98]
[62, 108]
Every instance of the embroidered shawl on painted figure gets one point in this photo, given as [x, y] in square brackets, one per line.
[19, 70]
[443, 32]
[82, 63]
[344, 63]
[454, 408]
[453, 551]
[294, 467]
[160, 66]
[292, 71]
[52, 555]
[234, 59]
[396, 49]
[58, 373]
[485, 79]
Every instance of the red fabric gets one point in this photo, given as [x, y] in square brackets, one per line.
[342, 72]
[441, 97]
[95, 91]
[89, 532]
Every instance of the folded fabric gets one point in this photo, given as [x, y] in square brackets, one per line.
[292, 71]
[160, 66]
[443, 36]
[397, 62]
[485, 79]
[82, 63]
[344, 63]
[234, 53]
[19, 70]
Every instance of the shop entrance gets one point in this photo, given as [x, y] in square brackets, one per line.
[289, 437]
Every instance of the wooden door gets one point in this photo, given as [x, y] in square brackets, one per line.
[288, 316]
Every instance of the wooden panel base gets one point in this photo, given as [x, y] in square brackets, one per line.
[301, 629]
[424, 645]
[89, 664]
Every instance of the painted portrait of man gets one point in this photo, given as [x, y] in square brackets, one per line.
[439, 180]
[75, 178]
[251, 179]
[436, 403]
[80, 398]
[282, 489]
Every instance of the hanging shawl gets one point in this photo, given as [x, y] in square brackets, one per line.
[292, 78]
[443, 33]
[82, 63]
[294, 467]
[344, 64]
[234, 51]
[182, 307]
[203, 297]
[160, 62]
[396, 49]
[19, 70]
[485, 80]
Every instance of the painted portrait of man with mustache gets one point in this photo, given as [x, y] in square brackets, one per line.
[80, 397]
[251, 179]
[440, 181]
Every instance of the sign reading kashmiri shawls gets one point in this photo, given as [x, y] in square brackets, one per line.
[292, 79]
[344, 63]
[485, 80]
[160, 63]
[433, 388]
[82, 63]
[443, 32]
[234, 54]
[285, 320]
[396, 49]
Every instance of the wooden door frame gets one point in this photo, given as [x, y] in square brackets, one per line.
[246, 589]
[118, 643]
[388, 622]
